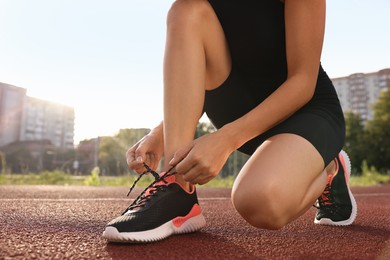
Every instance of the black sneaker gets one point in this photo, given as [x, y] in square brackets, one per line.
[337, 206]
[162, 209]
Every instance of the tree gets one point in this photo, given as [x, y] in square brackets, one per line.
[112, 150]
[112, 159]
[29, 156]
[378, 133]
[129, 136]
[355, 141]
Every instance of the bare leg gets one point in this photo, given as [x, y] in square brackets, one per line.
[280, 182]
[196, 58]
[331, 168]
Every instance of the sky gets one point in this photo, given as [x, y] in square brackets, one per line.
[104, 58]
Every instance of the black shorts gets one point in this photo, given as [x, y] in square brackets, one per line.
[259, 67]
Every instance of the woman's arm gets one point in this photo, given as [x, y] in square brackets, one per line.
[305, 25]
[202, 160]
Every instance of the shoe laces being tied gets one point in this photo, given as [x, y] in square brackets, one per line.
[326, 198]
[158, 184]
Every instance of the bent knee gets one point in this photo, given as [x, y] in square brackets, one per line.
[187, 12]
[260, 210]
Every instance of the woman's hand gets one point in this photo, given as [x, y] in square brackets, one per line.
[149, 150]
[203, 159]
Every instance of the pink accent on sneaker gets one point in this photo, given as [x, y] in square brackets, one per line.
[168, 180]
[172, 179]
[346, 174]
[195, 211]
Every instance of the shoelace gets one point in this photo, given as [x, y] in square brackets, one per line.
[142, 197]
[325, 199]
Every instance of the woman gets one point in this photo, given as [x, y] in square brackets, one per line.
[254, 68]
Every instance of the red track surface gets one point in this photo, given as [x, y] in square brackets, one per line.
[66, 222]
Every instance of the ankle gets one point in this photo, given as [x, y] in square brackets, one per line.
[179, 179]
[331, 168]
[184, 184]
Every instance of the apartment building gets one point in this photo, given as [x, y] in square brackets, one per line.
[47, 120]
[11, 111]
[357, 92]
[24, 118]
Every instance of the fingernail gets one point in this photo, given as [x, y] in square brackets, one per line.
[139, 159]
[171, 161]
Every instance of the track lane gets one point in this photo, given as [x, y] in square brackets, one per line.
[47, 222]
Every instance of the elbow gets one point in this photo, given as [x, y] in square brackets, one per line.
[308, 93]
[305, 87]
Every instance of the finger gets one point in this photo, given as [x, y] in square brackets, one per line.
[150, 161]
[198, 174]
[201, 179]
[140, 154]
[205, 180]
[130, 156]
[180, 155]
[192, 176]
[139, 169]
[153, 161]
[133, 163]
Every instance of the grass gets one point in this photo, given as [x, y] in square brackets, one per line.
[44, 178]
[61, 178]
[369, 178]
[64, 179]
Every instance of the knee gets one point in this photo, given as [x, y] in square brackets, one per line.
[187, 12]
[260, 207]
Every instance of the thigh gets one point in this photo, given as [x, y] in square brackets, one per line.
[321, 129]
[285, 173]
[194, 23]
[218, 59]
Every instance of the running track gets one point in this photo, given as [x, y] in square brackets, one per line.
[53, 222]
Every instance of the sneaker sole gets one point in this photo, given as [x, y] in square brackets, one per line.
[327, 221]
[167, 229]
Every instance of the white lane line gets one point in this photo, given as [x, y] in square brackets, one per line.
[370, 194]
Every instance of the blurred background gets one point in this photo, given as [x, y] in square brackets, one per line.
[81, 81]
